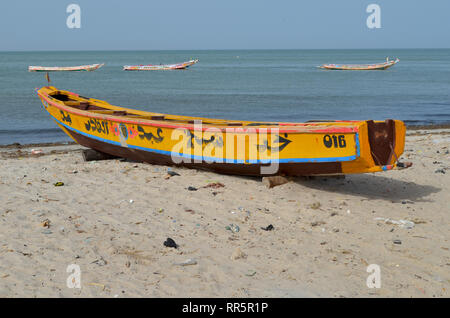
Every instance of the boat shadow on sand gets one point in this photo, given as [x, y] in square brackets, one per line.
[372, 187]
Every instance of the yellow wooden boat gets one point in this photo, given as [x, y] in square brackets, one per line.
[231, 147]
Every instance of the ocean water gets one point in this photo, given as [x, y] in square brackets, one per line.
[261, 85]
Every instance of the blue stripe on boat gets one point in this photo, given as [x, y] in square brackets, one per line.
[220, 160]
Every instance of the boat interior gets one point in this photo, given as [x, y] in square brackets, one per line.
[102, 107]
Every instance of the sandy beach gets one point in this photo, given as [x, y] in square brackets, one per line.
[112, 217]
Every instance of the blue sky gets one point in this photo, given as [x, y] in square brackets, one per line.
[222, 24]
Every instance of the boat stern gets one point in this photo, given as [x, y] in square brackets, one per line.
[381, 145]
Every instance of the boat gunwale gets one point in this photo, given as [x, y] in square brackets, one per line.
[156, 123]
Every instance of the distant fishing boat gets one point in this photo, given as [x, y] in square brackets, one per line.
[361, 67]
[230, 147]
[161, 67]
[91, 67]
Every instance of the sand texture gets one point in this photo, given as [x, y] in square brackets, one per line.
[112, 217]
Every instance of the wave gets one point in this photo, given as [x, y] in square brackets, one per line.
[35, 131]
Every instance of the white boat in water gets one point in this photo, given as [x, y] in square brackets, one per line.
[91, 67]
[361, 67]
[161, 67]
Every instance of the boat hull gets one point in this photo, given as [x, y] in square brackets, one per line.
[355, 67]
[290, 169]
[249, 148]
[179, 66]
[88, 68]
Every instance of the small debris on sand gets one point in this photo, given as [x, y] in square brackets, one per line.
[268, 228]
[238, 254]
[189, 261]
[214, 185]
[274, 181]
[170, 243]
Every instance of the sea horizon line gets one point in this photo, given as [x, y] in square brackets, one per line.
[232, 49]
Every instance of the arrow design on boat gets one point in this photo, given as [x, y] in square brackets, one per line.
[282, 141]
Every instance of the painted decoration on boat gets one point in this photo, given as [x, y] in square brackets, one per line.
[278, 144]
[127, 131]
[150, 136]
